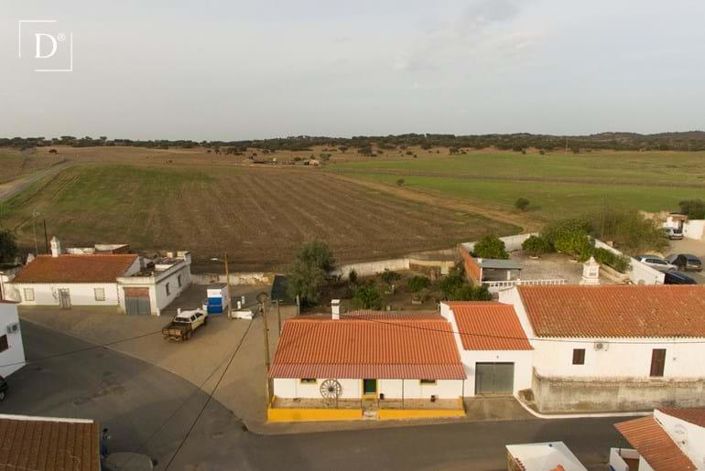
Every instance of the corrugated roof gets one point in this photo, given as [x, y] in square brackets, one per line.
[498, 264]
[653, 443]
[615, 310]
[356, 346]
[49, 445]
[694, 415]
[99, 268]
[485, 325]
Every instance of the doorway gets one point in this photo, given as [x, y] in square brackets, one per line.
[369, 387]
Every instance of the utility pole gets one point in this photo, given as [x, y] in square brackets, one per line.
[262, 299]
[46, 237]
[227, 284]
[279, 317]
[35, 213]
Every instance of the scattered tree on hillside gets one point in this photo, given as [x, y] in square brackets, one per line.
[400, 182]
[522, 204]
[694, 209]
[490, 246]
[8, 246]
[309, 272]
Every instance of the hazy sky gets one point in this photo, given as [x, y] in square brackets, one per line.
[238, 70]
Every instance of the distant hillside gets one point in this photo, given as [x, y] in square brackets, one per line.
[680, 141]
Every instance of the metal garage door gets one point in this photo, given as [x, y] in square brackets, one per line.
[494, 378]
[137, 301]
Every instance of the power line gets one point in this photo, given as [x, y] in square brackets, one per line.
[536, 339]
[210, 396]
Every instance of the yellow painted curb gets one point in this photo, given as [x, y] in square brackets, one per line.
[280, 414]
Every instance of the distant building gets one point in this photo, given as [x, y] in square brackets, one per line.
[48, 443]
[671, 439]
[87, 277]
[11, 346]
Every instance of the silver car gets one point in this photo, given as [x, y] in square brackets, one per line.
[656, 262]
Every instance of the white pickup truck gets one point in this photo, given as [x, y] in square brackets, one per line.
[184, 324]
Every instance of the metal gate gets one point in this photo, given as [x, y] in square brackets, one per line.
[137, 301]
[494, 378]
[64, 299]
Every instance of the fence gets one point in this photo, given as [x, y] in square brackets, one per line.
[496, 286]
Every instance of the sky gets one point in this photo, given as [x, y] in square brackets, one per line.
[230, 70]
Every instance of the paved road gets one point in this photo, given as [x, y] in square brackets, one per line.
[134, 399]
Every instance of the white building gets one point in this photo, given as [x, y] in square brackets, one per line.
[496, 355]
[86, 278]
[549, 456]
[613, 347]
[405, 359]
[11, 347]
[671, 439]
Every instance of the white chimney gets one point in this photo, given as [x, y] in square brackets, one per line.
[335, 308]
[55, 247]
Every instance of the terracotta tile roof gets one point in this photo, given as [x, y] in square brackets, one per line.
[398, 347]
[103, 268]
[694, 415]
[35, 443]
[487, 325]
[653, 443]
[615, 310]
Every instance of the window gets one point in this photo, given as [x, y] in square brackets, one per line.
[578, 356]
[178, 280]
[308, 380]
[99, 294]
[3, 343]
[428, 382]
[658, 362]
[29, 294]
[168, 289]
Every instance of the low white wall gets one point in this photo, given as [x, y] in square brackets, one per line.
[511, 243]
[255, 278]
[13, 358]
[81, 294]
[371, 268]
[640, 273]
[694, 229]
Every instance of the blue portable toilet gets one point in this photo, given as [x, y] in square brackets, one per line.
[218, 299]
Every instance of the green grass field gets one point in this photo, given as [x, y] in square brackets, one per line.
[557, 184]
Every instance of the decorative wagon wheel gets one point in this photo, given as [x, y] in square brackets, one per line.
[331, 389]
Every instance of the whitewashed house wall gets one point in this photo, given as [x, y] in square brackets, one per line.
[13, 358]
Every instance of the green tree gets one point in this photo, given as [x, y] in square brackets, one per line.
[389, 277]
[490, 246]
[367, 296]
[628, 230]
[400, 182]
[522, 204]
[308, 274]
[694, 209]
[8, 246]
[417, 283]
[536, 245]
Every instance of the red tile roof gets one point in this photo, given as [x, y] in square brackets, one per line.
[615, 310]
[487, 325]
[355, 346]
[103, 268]
[50, 445]
[694, 415]
[653, 443]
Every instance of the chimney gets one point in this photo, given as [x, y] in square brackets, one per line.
[335, 308]
[55, 247]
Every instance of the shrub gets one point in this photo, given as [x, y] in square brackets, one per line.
[417, 283]
[352, 277]
[522, 204]
[367, 296]
[400, 182]
[490, 246]
[309, 271]
[536, 245]
[605, 257]
[694, 209]
[629, 230]
[390, 277]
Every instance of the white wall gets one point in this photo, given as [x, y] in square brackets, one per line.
[640, 273]
[13, 358]
[352, 388]
[158, 297]
[628, 358]
[522, 359]
[689, 437]
[694, 229]
[82, 294]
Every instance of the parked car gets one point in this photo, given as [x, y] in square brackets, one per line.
[656, 262]
[673, 234]
[184, 324]
[685, 261]
[3, 388]
[676, 278]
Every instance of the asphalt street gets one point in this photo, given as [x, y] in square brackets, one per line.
[150, 410]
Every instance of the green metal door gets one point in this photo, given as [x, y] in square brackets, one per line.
[369, 386]
[494, 378]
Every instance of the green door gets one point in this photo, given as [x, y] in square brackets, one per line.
[369, 387]
[494, 378]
